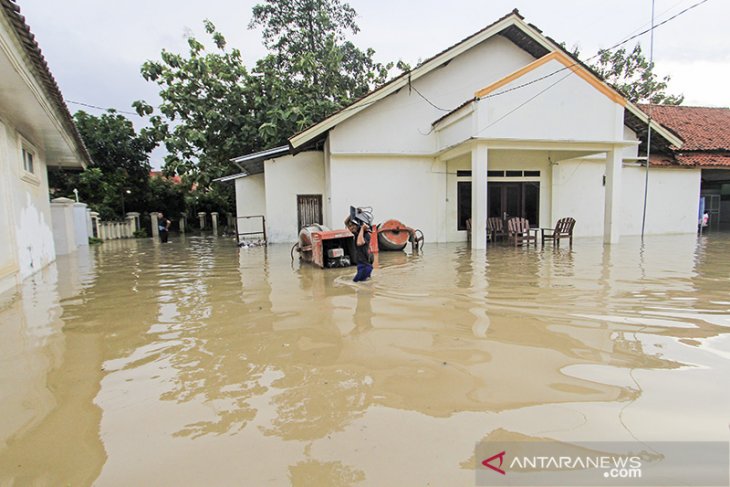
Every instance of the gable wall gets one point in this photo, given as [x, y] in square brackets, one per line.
[560, 106]
[401, 123]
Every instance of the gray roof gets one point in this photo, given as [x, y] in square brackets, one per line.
[254, 163]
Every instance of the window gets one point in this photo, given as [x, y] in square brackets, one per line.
[28, 161]
[463, 174]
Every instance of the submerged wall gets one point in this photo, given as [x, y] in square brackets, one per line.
[673, 198]
[26, 243]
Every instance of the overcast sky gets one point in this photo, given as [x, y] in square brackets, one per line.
[96, 47]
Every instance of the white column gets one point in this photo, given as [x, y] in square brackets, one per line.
[214, 218]
[201, 217]
[89, 223]
[81, 226]
[130, 226]
[479, 163]
[155, 228]
[62, 220]
[612, 208]
[95, 223]
[135, 222]
[554, 196]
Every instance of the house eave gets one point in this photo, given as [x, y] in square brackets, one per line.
[513, 19]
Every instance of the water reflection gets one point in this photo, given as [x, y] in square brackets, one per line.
[49, 376]
[204, 351]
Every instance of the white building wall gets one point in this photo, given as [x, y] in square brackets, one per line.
[672, 207]
[250, 201]
[409, 189]
[672, 200]
[251, 195]
[8, 250]
[285, 178]
[401, 123]
[579, 193]
[26, 207]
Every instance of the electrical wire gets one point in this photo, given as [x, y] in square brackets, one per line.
[427, 100]
[102, 108]
[577, 63]
[523, 103]
[356, 106]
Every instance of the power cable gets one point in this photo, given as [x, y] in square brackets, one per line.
[523, 103]
[101, 108]
[578, 63]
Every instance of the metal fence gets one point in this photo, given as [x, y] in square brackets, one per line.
[250, 226]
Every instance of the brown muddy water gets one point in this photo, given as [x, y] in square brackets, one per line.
[196, 363]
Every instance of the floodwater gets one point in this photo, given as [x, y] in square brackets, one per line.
[196, 363]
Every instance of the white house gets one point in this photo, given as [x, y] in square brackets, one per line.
[36, 131]
[503, 122]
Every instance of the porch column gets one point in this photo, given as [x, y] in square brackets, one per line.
[612, 208]
[479, 163]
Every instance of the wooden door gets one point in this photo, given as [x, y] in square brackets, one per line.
[309, 210]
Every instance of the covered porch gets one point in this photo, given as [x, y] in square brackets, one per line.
[541, 181]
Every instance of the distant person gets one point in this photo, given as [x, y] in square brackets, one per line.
[363, 257]
[163, 225]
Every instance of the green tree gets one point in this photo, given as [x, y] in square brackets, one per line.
[633, 76]
[167, 196]
[119, 170]
[208, 111]
[214, 109]
[311, 63]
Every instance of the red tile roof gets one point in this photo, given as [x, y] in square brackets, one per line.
[704, 159]
[705, 131]
[701, 128]
[692, 159]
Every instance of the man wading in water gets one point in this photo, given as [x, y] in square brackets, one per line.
[363, 257]
[163, 225]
